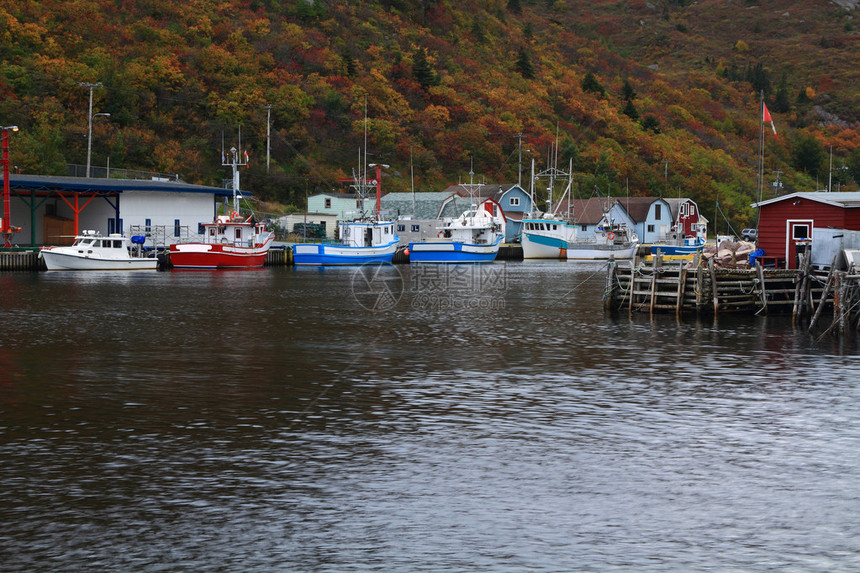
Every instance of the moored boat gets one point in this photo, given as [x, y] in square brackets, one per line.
[229, 242]
[687, 246]
[610, 241]
[91, 251]
[362, 242]
[473, 237]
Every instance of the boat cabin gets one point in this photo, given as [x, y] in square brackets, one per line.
[366, 233]
[233, 231]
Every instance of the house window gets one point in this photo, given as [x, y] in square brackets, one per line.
[176, 228]
[358, 204]
[112, 225]
[402, 228]
[415, 228]
[515, 201]
[148, 225]
[657, 212]
[584, 228]
[800, 232]
[650, 228]
[328, 203]
[683, 208]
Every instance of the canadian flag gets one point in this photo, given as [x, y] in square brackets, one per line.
[769, 119]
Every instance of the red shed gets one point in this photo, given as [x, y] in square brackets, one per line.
[787, 220]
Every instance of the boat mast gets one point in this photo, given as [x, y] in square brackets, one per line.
[235, 164]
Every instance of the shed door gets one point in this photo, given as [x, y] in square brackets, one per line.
[797, 230]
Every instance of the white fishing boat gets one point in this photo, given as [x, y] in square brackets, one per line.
[609, 241]
[547, 235]
[473, 237]
[93, 252]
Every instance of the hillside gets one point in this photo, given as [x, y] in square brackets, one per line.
[647, 97]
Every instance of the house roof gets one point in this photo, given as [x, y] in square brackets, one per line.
[844, 199]
[638, 207]
[98, 185]
[585, 211]
[339, 195]
[427, 203]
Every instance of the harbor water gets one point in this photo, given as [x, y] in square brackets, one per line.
[414, 418]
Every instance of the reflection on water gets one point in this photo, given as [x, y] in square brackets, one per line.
[444, 418]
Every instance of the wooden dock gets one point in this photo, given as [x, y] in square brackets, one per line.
[702, 288]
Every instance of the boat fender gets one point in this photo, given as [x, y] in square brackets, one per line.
[610, 235]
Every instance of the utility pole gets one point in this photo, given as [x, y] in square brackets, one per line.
[268, 109]
[90, 123]
[519, 137]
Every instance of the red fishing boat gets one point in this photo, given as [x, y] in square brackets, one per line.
[230, 242]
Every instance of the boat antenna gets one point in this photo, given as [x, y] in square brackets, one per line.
[412, 181]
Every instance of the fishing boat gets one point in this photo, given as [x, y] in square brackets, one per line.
[230, 242]
[473, 237]
[362, 241]
[366, 239]
[547, 235]
[609, 241]
[92, 252]
[683, 247]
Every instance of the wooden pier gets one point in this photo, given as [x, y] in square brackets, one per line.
[21, 259]
[702, 288]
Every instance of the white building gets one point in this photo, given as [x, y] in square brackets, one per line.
[50, 209]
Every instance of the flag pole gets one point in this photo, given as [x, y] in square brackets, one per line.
[760, 166]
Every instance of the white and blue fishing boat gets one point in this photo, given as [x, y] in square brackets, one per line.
[362, 242]
[687, 246]
[473, 237]
[548, 235]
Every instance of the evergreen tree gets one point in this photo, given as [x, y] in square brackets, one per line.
[782, 104]
[651, 123]
[808, 154]
[514, 7]
[421, 70]
[630, 111]
[524, 65]
[590, 84]
[627, 91]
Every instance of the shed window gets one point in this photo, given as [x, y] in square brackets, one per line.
[415, 228]
[800, 232]
[328, 203]
[515, 201]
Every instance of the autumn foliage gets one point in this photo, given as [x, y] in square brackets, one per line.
[650, 98]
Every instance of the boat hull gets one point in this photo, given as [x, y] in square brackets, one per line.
[453, 252]
[542, 247]
[329, 254]
[595, 252]
[57, 260]
[676, 249]
[213, 256]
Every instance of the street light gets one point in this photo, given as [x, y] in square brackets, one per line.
[90, 117]
[90, 138]
[6, 221]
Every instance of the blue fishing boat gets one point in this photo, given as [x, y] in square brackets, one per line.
[361, 242]
[688, 246]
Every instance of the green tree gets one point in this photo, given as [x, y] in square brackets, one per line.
[630, 111]
[853, 164]
[514, 7]
[807, 154]
[422, 71]
[651, 123]
[781, 101]
[627, 91]
[524, 65]
[590, 84]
